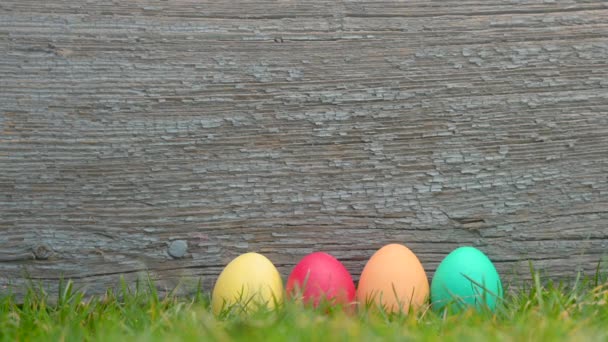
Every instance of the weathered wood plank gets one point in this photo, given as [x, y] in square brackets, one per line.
[291, 126]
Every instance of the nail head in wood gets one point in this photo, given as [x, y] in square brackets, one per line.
[178, 248]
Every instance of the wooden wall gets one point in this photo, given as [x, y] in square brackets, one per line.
[167, 137]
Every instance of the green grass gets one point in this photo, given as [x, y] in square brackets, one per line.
[576, 312]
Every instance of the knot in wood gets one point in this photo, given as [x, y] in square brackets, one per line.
[42, 252]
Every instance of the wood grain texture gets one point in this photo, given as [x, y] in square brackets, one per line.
[132, 129]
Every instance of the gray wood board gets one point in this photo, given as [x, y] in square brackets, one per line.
[287, 127]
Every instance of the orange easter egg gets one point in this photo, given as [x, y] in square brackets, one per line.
[394, 280]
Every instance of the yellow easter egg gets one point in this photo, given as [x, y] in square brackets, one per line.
[248, 282]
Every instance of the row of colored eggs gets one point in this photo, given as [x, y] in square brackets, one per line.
[393, 279]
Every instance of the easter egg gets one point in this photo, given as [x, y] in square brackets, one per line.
[248, 282]
[320, 276]
[466, 277]
[394, 280]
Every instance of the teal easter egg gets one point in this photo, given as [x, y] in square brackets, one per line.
[466, 278]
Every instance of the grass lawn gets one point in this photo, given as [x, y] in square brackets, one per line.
[576, 312]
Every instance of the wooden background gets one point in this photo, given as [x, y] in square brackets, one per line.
[167, 137]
